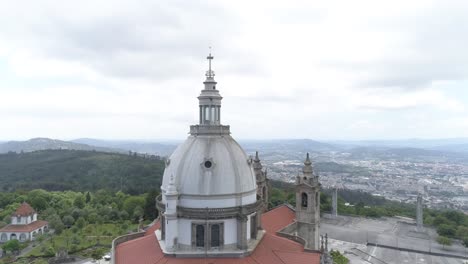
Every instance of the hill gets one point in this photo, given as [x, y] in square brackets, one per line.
[47, 143]
[78, 170]
[154, 148]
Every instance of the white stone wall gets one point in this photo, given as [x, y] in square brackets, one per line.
[23, 220]
[27, 235]
[230, 231]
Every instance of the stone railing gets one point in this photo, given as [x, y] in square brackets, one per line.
[121, 239]
[212, 213]
[209, 130]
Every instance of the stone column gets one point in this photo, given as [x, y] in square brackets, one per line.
[201, 114]
[419, 213]
[335, 202]
[242, 232]
[259, 219]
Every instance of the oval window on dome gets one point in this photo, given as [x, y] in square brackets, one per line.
[208, 164]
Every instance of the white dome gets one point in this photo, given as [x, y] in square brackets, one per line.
[213, 166]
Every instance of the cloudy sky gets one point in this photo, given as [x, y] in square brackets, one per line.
[287, 69]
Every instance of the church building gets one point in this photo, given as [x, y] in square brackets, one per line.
[213, 206]
[24, 225]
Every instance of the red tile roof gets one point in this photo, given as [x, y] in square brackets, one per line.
[272, 249]
[24, 210]
[277, 218]
[24, 228]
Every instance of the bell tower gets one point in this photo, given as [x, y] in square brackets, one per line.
[308, 206]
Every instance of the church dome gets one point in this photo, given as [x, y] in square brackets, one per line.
[210, 169]
[210, 166]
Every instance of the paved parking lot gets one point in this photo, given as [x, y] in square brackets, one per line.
[393, 232]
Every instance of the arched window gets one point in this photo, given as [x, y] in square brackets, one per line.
[215, 236]
[22, 237]
[12, 236]
[304, 200]
[4, 237]
[264, 193]
[200, 236]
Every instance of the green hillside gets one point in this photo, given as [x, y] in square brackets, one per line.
[77, 170]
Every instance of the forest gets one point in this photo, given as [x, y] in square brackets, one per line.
[78, 170]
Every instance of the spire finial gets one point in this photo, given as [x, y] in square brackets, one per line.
[307, 161]
[326, 242]
[210, 73]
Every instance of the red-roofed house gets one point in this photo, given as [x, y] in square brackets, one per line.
[24, 225]
[213, 201]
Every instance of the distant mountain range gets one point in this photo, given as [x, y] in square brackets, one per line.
[47, 143]
[297, 145]
[449, 144]
[273, 149]
[153, 148]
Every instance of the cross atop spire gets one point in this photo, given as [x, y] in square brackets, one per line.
[210, 74]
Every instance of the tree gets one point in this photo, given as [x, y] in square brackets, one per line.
[462, 232]
[132, 202]
[68, 220]
[38, 199]
[444, 241]
[97, 253]
[88, 197]
[137, 213]
[12, 246]
[446, 230]
[465, 241]
[81, 223]
[150, 205]
[79, 201]
[338, 258]
[56, 223]
[439, 220]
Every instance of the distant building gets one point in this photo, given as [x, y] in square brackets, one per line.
[213, 204]
[24, 225]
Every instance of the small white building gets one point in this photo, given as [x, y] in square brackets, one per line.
[24, 225]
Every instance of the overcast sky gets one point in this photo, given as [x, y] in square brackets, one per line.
[286, 69]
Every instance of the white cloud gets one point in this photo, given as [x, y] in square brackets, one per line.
[334, 69]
